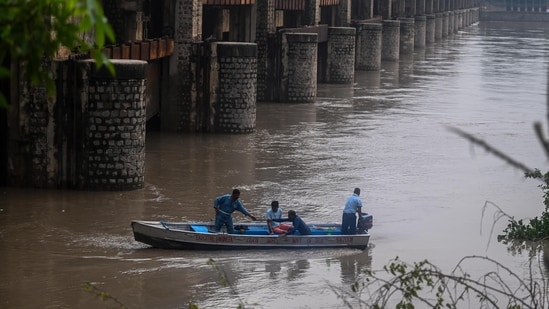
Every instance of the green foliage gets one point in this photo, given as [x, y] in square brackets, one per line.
[424, 285]
[104, 296]
[34, 30]
[537, 228]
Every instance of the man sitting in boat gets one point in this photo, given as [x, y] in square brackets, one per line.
[298, 224]
[224, 206]
[276, 213]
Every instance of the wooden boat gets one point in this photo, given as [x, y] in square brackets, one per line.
[200, 236]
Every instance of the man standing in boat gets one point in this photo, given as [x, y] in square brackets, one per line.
[352, 206]
[224, 206]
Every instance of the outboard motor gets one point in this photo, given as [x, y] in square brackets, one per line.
[365, 222]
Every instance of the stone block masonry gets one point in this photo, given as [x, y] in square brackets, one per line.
[430, 29]
[235, 102]
[299, 67]
[113, 126]
[407, 36]
[368, 46]
[390, 46]
[420, 31]
[341, 55]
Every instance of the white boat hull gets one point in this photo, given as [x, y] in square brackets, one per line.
[170, 235]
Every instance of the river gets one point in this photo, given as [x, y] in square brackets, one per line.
[387, 134]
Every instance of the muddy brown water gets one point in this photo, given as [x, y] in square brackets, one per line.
[386, 133]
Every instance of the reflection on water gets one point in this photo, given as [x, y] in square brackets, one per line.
[386, 133]
[353, 266]
[297, 269]
[273, 268]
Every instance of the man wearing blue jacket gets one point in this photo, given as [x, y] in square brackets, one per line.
[298, 224]
[224, 206]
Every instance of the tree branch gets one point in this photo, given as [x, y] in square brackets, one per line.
[491, 150]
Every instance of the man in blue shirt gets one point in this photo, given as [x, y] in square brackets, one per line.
[298, 224]
[352, 206]
[224, 206]
[275, 212]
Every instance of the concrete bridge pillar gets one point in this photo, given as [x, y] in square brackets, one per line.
[455, 21]
[419, 36]
[399, 8]
[234, 88]
[476, 15]
[311, 15]
[436, 6]
[451, 22]
[385, 8]
[362, 9]
[341, 55]
[429, 7]
[420, 7]
[410, 8]
[390, 44]
[438, 26]
[343, 13]
[112, 145]
[299, 67]
[177, 113]
[471, 16]
[430, 29]
[368, 46]
[407, 36]
[264, 34]
[445, 20]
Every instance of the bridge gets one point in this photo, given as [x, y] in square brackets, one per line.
[203, 66]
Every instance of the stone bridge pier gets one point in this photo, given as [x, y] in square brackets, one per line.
[110, 153]
[368, 46]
